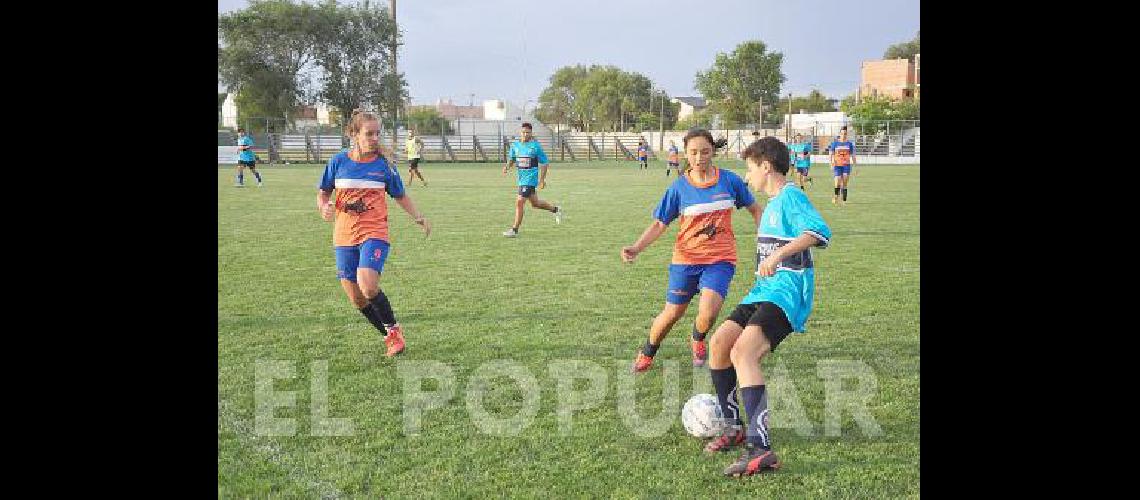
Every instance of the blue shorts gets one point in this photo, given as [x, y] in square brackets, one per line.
[838, 171]
[685, 280]
[802, 170]
[371, 254]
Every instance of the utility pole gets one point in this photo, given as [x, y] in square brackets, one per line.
[788, 129]
[661, 135]
[396, 95]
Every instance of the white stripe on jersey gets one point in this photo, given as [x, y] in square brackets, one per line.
[704, 208]
[357, 183]
[782, 238]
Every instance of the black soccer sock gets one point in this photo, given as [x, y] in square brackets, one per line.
[725, 383]
[698, 335]
[836, 191]
[756, 405]
[369, 312]
[844, 194]
[383, 309]
[650, 349]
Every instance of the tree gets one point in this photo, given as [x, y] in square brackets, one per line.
[905, 50]
[427, 121]
[815, 102]
[699, 119]
[353, 49]
[736, 83]
[263, 52]
[871, 113]
[604, 97]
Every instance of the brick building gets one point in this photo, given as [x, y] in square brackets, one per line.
[895, 78]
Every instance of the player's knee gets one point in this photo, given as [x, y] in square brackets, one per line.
[721, 345]
[742, 353]
[534, 201]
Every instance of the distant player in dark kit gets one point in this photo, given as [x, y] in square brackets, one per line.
[643, 154]
[412, 147]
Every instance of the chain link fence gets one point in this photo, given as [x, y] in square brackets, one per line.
[277, 141]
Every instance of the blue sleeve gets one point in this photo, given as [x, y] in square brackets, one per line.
[511, 155]
[394, 186]
[542, 160]
[669, 208]
[806, 219]
[740, 191]
[328, 180]
[852, 144]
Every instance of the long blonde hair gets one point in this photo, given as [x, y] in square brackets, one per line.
[356, 122]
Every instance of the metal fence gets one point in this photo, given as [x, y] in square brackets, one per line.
[488, 141]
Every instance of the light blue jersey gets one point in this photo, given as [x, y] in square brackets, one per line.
[246, 155]
[528, 156]
[786, 216]
[801, 155]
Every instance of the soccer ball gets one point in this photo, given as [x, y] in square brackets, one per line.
[702, 417]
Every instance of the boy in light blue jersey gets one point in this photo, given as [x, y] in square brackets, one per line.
[778, 304]
[527, 154]
[246, 158]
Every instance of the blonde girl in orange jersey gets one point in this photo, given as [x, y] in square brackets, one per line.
[361, 177]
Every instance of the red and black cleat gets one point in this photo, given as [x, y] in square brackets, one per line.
[753, 461]
[732, 437]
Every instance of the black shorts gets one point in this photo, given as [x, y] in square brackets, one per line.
[414, 163]
[250, 164]
[768, 316]
[526, 191]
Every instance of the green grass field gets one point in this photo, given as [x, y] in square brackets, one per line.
[470, 298]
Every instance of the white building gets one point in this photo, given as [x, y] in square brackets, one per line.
[823, 123]
[689, 105]
[229, 112]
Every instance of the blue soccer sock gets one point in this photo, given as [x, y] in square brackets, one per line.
[240, 179]
[756, 405]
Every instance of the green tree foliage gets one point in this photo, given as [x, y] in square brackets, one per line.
[603, 98]
[905, 50]
[279, 54]
[353, 51]
[737, 83]
[427, 121]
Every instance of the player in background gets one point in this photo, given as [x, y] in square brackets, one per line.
[842, 164]
[778, 304]
[412, 147]
[246, 158]
[674, 159]
[527, 154]
[643, 154]
[704, 253]
[801, 155]
[361, 177]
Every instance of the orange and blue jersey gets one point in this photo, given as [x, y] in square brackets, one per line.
[843, 152]
[705, 235]
[642, 152]
[674, 156]
[361, 207]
